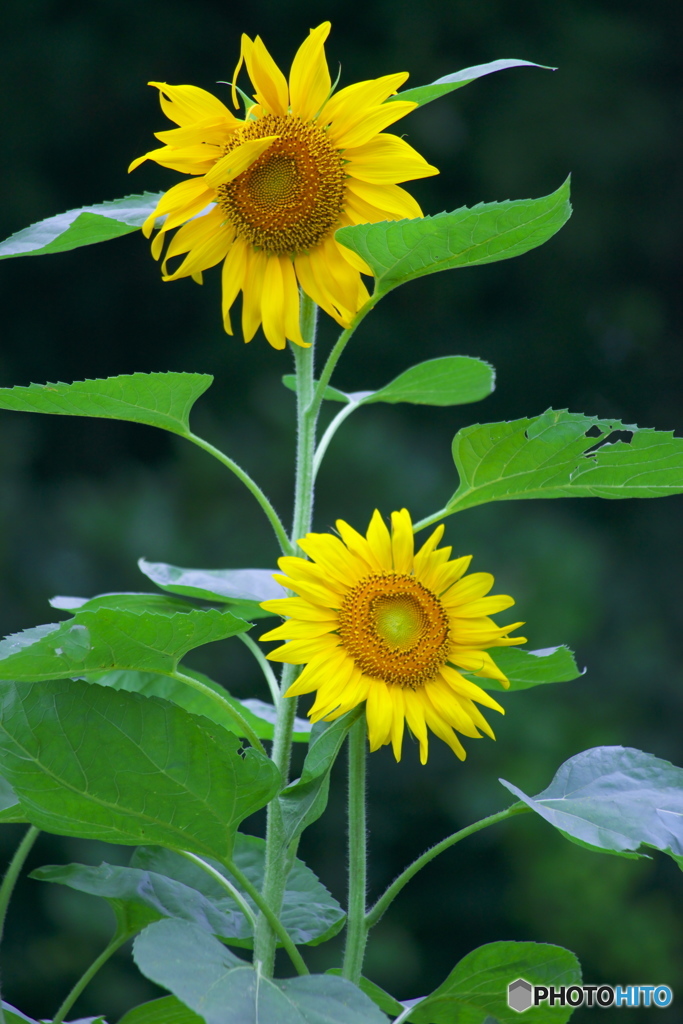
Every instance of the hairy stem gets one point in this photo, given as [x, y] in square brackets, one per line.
[117, 941]
[357, 929]
[385, 900]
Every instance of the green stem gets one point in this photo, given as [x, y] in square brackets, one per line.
[336, 353]
[373, 915]
[10, 880]
[117, 941]
[430, 520]
[245, 729]
[270, 676]
[332, 429]
[277, 863]
[225, 883]
[357, 929]
[251, 486]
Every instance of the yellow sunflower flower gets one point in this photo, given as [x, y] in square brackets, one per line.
[277, 185]
[376, 621]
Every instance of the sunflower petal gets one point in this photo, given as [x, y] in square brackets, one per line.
[309, 78]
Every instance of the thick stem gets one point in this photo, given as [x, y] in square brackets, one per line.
[277, 862]
[89, 974]
[373, 915]
[357, 930]
[10, 880]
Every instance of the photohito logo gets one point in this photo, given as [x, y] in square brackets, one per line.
[522, 995]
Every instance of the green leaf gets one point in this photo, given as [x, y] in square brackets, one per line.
[331, 394]
[167, 1010]
[242, 589]
[14, 1016]
[107, 639]
[100, 764]
[258, 714]
[563, 455]
[400, 251]
[158, 399]
[525, 669]
[11, 811]
[426, 93]
[383, 999]
[80, 227]
[304, 800]
[127, 602]
[209, 979]
[165, 884]
[615, 799]
[477, 986]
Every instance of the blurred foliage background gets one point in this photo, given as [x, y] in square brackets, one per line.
[591, 322]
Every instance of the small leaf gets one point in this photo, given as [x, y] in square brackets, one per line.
[426, 93]
[525, 669]
[100, 764]
[158, 399]
[209, 979]
[304, 800]
[563, 455]
[106, 639]
[450, 380]
[477, 986]
[400, 251]
[259, 715]
[167, 1010]
[616, 799]
[243, 589]
[80, 227]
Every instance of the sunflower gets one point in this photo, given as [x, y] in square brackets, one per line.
[267, 193]
[376, 621]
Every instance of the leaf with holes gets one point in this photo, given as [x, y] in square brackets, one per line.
[102, 764]
[400, 251]
[84, 226]
[563, 455]
[615, 799]
[448, 83]
[158, 399]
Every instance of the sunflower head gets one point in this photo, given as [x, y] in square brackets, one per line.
[376, 621]
[266, 193]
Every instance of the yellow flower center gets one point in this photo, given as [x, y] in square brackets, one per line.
[395, 629]
[292, 196]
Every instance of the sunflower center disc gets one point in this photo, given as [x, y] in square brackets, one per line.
[291, 197]
[395, 629]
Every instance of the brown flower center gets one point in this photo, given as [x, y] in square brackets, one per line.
[291, 197]
[395, 629]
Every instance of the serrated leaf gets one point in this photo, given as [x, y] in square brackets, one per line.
[202, 973]
[616, 799]
[304, 800]
[400, 251]
[257, 713]
[102, 764]
[242, 589]
[426, 93]
[563, 455]
[477, 986]
[106, 639]
[167, 1010]
[525, 669]
[158, 399]
[84, 226]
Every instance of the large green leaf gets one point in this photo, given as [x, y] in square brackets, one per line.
[477, 987]
[426, 93]
[563, 455]
[168, 885]
[158, 399]
[242, 589]
[102, 764]
[257, 713]
[209, 979]
[128, 602]
[80, 227]
[525, 669]
[167, 1010]
[11, 811]
[304, 800]
[106, 639]
[400, 251]
[615, 799]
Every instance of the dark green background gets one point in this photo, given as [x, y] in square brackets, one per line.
[591, 321]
